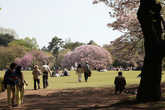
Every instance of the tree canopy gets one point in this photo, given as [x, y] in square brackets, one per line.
[96, 56]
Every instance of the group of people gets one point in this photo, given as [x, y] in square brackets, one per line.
[57, 73]
[83, 69]
[120, 81]
[14, 83]
[45, 70]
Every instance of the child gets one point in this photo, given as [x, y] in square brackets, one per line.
[120, 83]
[36, 73]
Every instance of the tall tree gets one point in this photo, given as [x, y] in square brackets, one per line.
[55, 45]
[150, 21]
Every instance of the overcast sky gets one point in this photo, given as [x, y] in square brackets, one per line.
[78, 20]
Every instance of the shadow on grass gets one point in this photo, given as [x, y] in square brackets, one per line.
[82, 99]
[127, 104]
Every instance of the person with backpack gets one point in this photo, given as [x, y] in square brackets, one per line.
[10, 81]
[45, 70]
[120, 83]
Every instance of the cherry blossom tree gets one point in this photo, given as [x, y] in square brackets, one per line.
[97, 57]
[33, 57]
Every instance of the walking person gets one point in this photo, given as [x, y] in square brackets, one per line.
[36, 77]
[79, 72]
[10, 80]
[120, 83]
[20, 85]
[87, 72]
[45, 70]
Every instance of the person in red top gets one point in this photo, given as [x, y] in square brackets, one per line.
[120, 83]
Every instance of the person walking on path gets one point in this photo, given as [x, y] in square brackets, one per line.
[10, 80]
[87, 72]
[120, 83]
[79, 72]
[36, 77]
[20, 85]
[45, 70]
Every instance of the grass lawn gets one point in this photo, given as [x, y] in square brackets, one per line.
[98, 79]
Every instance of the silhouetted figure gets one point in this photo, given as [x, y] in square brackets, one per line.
[87, 72]
[120, 83]
[65, 72]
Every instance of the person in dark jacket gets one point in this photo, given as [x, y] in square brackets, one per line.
[10, 81]
[120, 83]
[87, 72]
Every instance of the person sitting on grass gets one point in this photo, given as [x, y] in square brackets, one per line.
[65, 72]
[120, 83]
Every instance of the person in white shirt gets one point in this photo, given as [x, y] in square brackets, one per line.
[79, 72]
[45, 70]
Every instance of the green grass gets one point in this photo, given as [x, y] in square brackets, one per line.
[98, 79]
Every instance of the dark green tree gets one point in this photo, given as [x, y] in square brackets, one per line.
[55, 45]
[28, 43]
[92, 42]
[72, 45]
[5, 39]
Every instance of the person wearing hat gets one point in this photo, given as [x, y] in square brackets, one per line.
[36, 76]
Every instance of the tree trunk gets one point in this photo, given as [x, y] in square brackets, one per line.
[150, 20]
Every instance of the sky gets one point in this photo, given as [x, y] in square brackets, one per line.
[78, 20]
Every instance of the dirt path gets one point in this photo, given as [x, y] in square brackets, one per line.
[77, 99]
